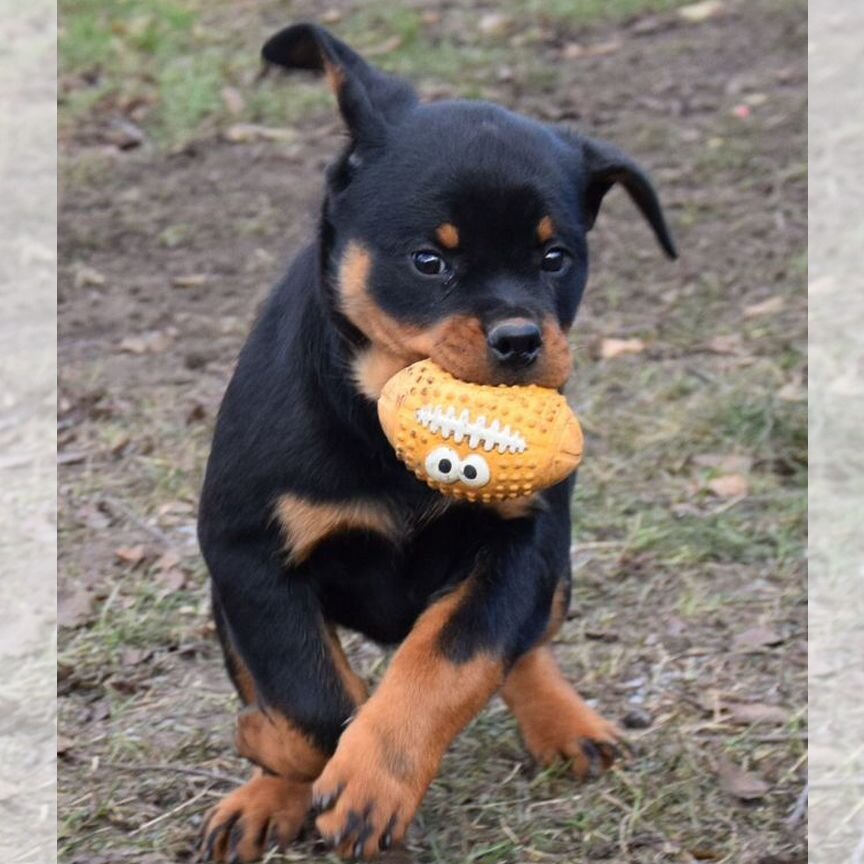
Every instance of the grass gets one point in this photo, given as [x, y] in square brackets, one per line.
[166, 64]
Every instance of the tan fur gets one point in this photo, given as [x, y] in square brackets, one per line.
[335, 77]
[545, 229]
[269, 739]
[448, 235]
[266, 810]
[457, 344]
[306, 524]
[353, 683]
[515, 508]
[553, 718]
[373, 368]
[390, 753]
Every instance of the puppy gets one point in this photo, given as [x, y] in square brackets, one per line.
[456, 231]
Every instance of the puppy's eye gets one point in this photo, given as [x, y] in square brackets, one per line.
[442, 464]
[555, 260]
[428, 263]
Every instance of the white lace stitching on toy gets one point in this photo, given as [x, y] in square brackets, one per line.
[446, 422]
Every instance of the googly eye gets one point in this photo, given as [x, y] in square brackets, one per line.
[443, 464]
[474, 471]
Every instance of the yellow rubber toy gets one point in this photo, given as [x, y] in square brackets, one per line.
[477, 442]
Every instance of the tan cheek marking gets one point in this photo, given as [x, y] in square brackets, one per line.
[373, 368]
[459, 346]
[556, 359]
[305, 524]
[448, 235]
[398, 340]
[545, 229]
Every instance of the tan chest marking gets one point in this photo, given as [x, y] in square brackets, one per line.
[306, 524]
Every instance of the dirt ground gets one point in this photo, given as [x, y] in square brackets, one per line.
[688, 621]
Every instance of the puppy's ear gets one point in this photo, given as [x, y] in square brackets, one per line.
[368, 99]
[604, 166]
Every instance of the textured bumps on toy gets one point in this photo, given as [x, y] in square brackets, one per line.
[478, 442]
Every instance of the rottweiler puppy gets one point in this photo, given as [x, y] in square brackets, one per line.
[456, 231]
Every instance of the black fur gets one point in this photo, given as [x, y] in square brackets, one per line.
[293, 421]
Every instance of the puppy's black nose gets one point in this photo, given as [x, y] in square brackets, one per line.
[515, 343]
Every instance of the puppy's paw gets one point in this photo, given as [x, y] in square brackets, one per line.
[573, 732]
[368, 793]
[264, 813]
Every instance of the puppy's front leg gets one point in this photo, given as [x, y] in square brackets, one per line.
[389, 754]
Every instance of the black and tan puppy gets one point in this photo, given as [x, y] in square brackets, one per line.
[456, 231]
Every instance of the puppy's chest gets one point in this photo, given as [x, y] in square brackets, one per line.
[309, 525]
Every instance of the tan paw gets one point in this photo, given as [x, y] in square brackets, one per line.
[264, 813]
[367, 794]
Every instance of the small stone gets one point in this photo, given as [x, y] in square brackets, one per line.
[637, 718]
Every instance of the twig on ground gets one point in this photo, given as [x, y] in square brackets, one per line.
[125, 510]
[800, 807]
[182, 806]
[173, 769]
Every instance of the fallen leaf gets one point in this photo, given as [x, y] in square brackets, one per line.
[748, 713]
[388, 46]
[611, 348]
[134, 656]
[731, 344]
[331, 16]
[601, 49]
[695, 13]
[727, 463]
[756, 637]
[64, 745]
[792, 392]
[169, 560]
[179, 508]
[74, 606]
[771, 306]
[87, 276]
[133, 555]
[172, 580]
[70, 457]
[193, 280]
[740, 783]
[126, 135]
[101, 710]
[729, 486]
[147, 343]
[495, 24]
[244, 133]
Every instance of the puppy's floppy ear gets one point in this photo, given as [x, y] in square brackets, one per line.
[368, 98]
[604, 166]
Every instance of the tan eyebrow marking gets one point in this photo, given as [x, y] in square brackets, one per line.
[448, 235]
[545, 229]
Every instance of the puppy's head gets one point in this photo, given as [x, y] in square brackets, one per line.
[456, 230]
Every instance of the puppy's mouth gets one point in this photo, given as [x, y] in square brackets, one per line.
[461, 346]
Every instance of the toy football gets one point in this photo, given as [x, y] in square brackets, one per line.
[479, 442]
